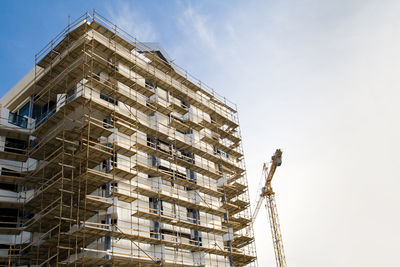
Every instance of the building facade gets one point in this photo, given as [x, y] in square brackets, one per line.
[112, 155]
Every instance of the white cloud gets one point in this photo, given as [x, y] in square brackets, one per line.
[197, 27]
[126, 15]
[320, 80]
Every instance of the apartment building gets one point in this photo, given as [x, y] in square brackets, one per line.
[112, 155]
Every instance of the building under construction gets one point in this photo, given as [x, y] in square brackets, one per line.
[111, 155]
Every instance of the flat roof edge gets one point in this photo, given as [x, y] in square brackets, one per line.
[19, 88]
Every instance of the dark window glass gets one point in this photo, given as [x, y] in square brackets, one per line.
[8, 172]
[70, 95]
[8, 217]
[15, 145]
[24, 110]
[108, 98]
[18, 120]
[9, 187]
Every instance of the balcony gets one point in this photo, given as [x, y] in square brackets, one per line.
[18, 120]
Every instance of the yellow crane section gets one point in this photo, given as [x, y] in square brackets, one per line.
[269, 195]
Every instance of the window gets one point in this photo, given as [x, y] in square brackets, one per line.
[219, 167]
[19, 117]
[163, 142]
[185, 236]
[106, 164]
[15, 145]
[193, 215]
[154, 161]
[212, 119]
[176, 118]
[9, 187]
[222, 153]
[149, 85]
[24, 110]
[9, 217]
[17, 120]
[108, 98]
[48, 107]
[186, 104]
[113, 67]
[107, 123]
[192, 176]
[196, 238]
[168, 232]
[190, 157]
[231, 264]
[96, 76]
[42, 113]
[179, 131]
[156, 205]
[8, 172]
[37, 111]
[70, 95]
[180, 175]
[156, 230]
[111, 162]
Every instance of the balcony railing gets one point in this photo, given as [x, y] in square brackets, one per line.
[18, 120]
[44, 117]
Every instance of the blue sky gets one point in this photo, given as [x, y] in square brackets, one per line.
[30, 25]
[319, 79]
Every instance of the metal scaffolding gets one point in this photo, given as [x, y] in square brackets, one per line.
[114, 172]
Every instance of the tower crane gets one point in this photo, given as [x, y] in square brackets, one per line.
[269, 195]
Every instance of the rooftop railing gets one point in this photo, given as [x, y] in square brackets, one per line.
[139, 46]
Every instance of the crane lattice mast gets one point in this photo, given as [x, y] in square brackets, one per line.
[269, 195]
